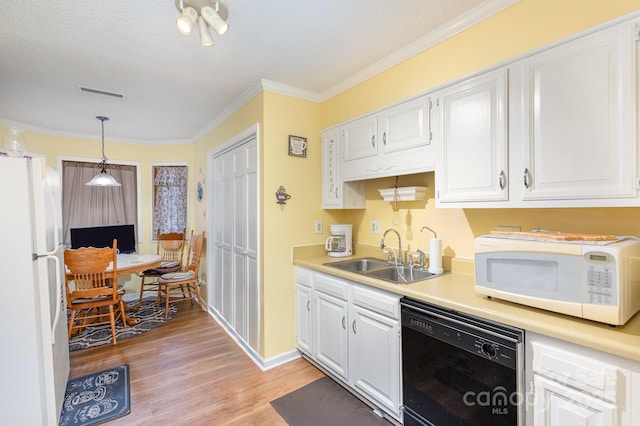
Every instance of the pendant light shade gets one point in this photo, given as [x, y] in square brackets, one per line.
[103, 178]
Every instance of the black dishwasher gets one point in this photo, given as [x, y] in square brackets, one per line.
[459, 369]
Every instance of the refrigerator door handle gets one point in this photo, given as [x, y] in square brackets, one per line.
[56, 316]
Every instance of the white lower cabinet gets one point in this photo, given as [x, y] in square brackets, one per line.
[560, 405]
[573, 385]
[374, 353]
[330, 329]
[353, 332]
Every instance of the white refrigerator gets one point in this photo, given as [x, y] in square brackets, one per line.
[34, 358]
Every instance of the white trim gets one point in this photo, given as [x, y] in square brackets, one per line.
[440, 34]
[92, 136]
[261, 363]
[294, 92]
[242, 100]
[138, 166]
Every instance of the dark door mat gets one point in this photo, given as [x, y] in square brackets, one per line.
[324, 402]
[97, 398]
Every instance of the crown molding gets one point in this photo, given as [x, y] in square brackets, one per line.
[64, 134]
[472, 17]
[440, 34]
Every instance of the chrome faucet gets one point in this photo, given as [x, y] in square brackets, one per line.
[398, 258]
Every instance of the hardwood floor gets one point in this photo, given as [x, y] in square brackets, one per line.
[189, 371]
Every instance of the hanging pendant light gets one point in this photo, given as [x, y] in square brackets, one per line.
[103, 178]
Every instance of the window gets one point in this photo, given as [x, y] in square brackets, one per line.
[85, 206]
[170, 188]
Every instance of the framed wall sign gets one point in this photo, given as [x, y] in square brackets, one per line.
[297, 146]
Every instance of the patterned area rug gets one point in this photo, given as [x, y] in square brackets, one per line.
[97, 398]
[149, 316]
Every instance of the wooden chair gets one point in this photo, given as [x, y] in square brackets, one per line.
[91, 289]
[182, 286]
[171, 248]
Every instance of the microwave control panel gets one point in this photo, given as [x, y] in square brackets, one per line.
[600, 273]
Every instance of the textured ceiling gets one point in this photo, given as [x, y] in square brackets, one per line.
[173, 88]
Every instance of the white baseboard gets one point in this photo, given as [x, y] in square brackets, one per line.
[263, 364]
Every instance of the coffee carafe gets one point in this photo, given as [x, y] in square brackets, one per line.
[340, 242]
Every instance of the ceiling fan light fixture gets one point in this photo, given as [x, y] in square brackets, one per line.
[103, 178]
[205, 36]
[187, 18]
[209, 14]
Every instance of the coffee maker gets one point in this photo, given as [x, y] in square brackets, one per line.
[340, 242]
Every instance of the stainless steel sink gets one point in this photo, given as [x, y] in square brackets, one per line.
[401, 274]
[359, 265]
[380, 269]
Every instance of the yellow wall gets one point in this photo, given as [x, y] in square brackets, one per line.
[521, 28]
[294, 223]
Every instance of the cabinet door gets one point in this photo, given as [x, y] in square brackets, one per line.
[471, 138]
[577, 118]
[375, 357]
[558, 405]
[304, 319]
[331, 191]
[335, 193]
[404, 126]
[359, 138]
[331, 333]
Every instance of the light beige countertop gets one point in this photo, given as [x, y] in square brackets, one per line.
[456, 291]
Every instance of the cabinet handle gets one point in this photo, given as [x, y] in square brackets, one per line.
[337, 193]
[384, 138]
[308, 306]
[527, 179]
[353, 326]
[502, 179]
[373, 141]
[344, 324]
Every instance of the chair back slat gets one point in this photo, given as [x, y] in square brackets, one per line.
[171, 247]
[194, 253]
[87, 270]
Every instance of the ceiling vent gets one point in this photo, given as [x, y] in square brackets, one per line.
[101, 92]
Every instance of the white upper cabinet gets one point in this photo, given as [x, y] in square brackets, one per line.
[571, 117]
[576, 124]
[395, 141]
[471, 134]
[359, 138]
[337, 194]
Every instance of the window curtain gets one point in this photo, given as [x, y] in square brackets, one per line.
[84, 206]
[170, 210]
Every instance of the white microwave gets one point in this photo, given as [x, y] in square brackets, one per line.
[595, 282]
